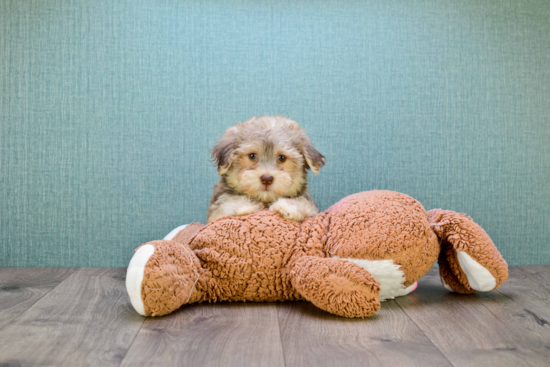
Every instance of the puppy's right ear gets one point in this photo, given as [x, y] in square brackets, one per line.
[222, 153]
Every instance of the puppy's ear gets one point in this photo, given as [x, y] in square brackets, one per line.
[222, 153]
[314, 159]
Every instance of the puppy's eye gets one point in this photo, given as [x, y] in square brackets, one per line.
[252, 156]
[282, 158]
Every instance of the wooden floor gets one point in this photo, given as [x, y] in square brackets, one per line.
[83, 317]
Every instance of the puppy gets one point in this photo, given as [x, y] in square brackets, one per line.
[263, 163]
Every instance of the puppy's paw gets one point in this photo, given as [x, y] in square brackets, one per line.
[246, 209]
[288, 209]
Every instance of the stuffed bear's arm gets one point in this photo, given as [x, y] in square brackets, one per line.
[336, 285]
[469, 261]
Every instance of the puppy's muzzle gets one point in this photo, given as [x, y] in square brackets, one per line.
[266, 179]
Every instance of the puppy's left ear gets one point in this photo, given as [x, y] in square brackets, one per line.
[314, 159]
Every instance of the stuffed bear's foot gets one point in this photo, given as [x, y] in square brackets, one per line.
[134, 276]
[337, 286]
[469, 261]
[161, 277]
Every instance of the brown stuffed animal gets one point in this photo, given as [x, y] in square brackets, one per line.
[366, 248]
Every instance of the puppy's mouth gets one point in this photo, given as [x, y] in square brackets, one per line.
[266, 187]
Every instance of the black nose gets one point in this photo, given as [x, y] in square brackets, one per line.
[267, 179]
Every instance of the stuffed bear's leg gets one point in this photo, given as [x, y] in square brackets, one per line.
[469, 261]
[161, 277]
[337, 286]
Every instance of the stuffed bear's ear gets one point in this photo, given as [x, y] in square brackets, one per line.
[314, 159]
[222, 153]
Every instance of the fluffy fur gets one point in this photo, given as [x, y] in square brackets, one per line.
[263, 163]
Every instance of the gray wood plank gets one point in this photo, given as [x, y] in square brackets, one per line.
[87, 320]
[224, 334]
[20, 288]
[539, 273]
[484, 329]
[312, 337]
[523, 289]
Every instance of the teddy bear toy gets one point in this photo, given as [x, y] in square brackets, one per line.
[366, 248]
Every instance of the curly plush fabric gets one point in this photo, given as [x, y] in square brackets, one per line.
[168, 277]
[378, 225]
[337, 286]
[263, 257]
[459, 232]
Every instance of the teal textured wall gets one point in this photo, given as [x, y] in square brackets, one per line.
[108, 110]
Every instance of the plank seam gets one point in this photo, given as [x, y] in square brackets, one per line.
[133, 340]
[280, 334]
[422, 331]
[44, 295]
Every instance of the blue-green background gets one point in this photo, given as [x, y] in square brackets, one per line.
[109, 108]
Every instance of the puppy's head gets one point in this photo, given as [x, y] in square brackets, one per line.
[266, 158]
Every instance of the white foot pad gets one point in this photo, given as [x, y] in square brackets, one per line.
[445, 285]
[134, 276]
[480, 279]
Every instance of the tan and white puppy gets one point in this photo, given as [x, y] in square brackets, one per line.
[263, 163]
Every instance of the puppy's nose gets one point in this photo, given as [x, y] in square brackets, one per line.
[267, 179]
